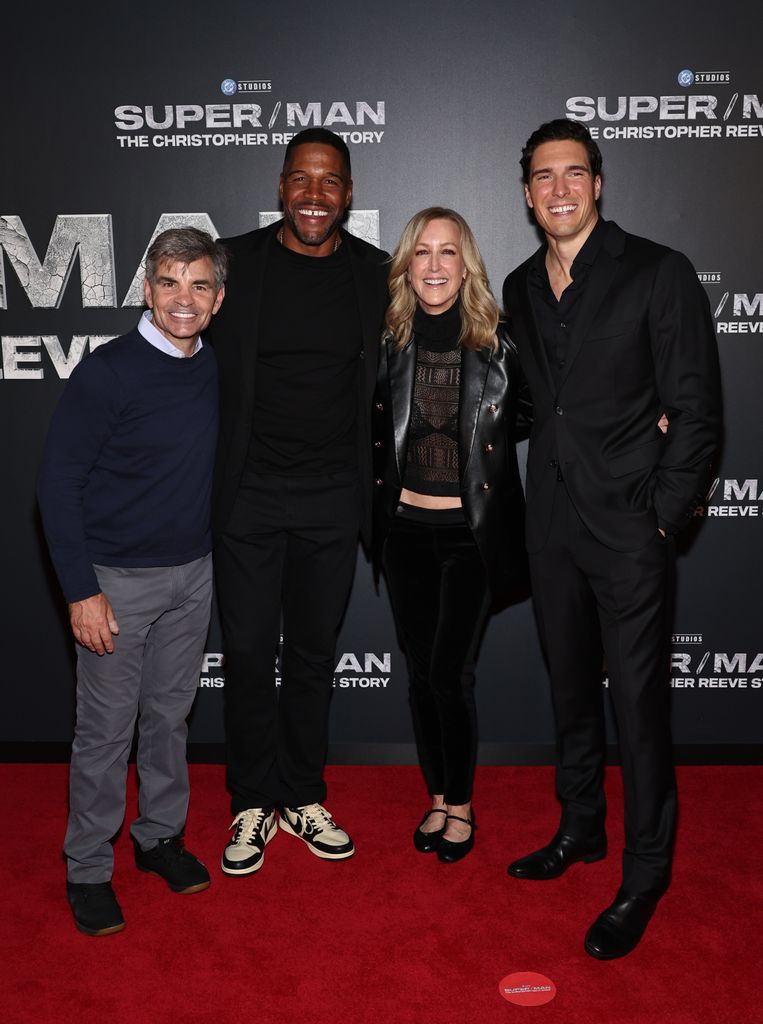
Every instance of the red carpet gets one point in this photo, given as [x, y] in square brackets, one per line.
[390, 935]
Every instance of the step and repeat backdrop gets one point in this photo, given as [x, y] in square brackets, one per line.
[121, 121]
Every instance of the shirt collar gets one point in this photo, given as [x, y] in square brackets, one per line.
[590, 248]
[538, 261]
[586, 257]
[155, 337]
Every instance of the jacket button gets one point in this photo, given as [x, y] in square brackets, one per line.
[362, 355]
[559, 410]
[486, 486]
[553, 463]
[378, 481]
[380, 407]
[377, 444]
[488, 447]
[492, 407]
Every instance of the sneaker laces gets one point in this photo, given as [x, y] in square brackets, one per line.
[247, 824]
[318, 817]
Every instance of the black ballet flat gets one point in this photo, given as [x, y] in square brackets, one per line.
[449, 852]
[428, 842]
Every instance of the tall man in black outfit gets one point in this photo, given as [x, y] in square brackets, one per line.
[297, 354]
[612, 330]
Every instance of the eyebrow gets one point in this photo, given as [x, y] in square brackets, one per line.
[322, 174]
[569, 167]
[168, 279]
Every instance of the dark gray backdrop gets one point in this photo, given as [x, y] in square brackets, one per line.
[447, 96]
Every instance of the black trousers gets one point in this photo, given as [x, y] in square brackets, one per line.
[589, 598]
[290, 549]
[439, 592]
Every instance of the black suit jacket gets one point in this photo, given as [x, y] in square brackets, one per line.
[492, 399]
[234, 334]
[642, 344]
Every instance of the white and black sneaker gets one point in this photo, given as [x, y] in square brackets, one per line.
[317, 828]
[245, 853]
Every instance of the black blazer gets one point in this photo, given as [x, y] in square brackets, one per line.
[234, 335]
[492, 399]
[642, 344]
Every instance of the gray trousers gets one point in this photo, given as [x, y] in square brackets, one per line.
[163, 616]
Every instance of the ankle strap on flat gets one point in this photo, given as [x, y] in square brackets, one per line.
[466, 821]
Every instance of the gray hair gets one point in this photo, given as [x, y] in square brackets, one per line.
[186, 245]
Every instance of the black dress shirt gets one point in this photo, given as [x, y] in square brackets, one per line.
[555, 317]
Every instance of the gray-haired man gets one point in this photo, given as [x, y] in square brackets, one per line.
[124, 491]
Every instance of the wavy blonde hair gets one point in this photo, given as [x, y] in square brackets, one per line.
[479, 310]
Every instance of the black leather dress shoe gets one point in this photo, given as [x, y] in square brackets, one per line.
[618, 929]
[449, 852]
[427, 842]
[553, 860]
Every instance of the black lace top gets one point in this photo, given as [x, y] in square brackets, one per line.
[432, 465]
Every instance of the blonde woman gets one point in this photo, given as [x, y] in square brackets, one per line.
[449, 506]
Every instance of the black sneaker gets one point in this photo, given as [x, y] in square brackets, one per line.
[169, 859]
[95, 907]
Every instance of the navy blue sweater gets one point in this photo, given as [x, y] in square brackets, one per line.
[127, 468]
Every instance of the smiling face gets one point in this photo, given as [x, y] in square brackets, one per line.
[315, 191]
[183, 298]
[437, 267]
[562, 192]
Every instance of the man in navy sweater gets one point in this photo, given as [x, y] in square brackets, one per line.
[124, 491]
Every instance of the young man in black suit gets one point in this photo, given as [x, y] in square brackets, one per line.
[297, 353]
[613, 331]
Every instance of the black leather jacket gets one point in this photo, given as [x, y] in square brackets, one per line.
[494, 413]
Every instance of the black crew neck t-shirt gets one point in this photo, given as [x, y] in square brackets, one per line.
[308, 358]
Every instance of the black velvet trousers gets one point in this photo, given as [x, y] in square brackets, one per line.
[440, 599]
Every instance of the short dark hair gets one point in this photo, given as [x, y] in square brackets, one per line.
[186, 245]
[560, 130]
[322, 137]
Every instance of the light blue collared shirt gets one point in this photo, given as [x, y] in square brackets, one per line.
[155, 337]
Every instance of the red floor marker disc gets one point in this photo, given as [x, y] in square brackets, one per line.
[526, 988]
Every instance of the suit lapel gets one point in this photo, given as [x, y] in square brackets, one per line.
[368, 309]
[474, 370]
[402, 375]
[250, 300]
[536, 348]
